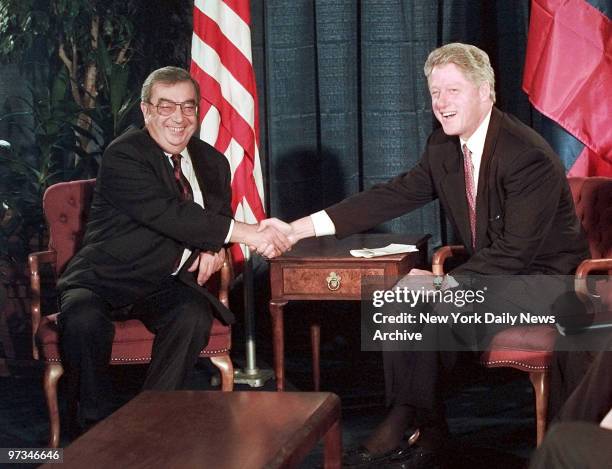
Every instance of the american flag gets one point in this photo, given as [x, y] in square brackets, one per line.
[221, 63]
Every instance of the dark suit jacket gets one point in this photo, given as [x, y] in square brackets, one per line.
[526, 222]
[138, 226]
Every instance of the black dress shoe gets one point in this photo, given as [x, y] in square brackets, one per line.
[361, 458]
[415, 457]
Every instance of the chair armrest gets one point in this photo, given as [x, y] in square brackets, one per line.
[585, 268]
[442, 254]
[35, 260]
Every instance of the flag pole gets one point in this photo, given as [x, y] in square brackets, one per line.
[221, 62]
[250, 374]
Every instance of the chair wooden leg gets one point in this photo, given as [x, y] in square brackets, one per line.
[315, 342]
[53, 372]
[278, 342]
[332, 450]
[540, 382]
[224, 363]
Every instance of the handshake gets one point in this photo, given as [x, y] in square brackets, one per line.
[272, 237]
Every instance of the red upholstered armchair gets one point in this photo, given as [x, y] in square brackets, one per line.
[66, 206]
[530, 348]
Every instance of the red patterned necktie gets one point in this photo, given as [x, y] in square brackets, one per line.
[470, 190]
[185, 190]
[181, 180]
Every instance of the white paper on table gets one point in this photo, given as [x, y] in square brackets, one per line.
[384, 251]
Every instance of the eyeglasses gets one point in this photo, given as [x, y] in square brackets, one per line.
[167, 108]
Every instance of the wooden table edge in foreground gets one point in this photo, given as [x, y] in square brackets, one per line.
[212, 429]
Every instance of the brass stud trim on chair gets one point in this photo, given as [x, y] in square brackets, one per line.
[513, 362]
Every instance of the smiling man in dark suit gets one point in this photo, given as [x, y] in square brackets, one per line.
[159, 218]
[503, 189]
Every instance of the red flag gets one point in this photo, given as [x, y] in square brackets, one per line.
[221, 63]
[568, 76]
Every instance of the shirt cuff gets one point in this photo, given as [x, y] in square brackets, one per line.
[229, 232]
[323, 225]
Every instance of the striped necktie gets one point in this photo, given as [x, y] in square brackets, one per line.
[181, 180]
[185, 190]
[470, 190]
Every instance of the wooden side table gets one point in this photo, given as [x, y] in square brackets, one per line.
[323, 269]
[212, 429]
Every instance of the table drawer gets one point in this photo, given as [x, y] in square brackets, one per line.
[325, 281]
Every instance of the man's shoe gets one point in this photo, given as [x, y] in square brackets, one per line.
[415, 457]
[361, 458]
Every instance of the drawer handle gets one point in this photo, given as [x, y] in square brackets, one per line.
[333, 281]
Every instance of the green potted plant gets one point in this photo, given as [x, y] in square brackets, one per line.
[75, 56]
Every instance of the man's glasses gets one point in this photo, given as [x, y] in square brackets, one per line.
[167, 108]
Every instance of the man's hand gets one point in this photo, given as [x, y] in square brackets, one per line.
[295, 231]
[420, 272]
[416, 279]
[267, 240]
[280, 226]
[272, 236]
[207, 263]
[274, 240]
[301, 228]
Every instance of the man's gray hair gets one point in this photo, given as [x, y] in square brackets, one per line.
[472, 61]
[168, 76]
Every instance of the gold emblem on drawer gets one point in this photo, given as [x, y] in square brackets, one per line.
[333, 281]
[325, 282]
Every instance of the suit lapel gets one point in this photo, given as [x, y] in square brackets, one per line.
[482, 196]
[453, 186]
[166, 170]
[168, 174]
